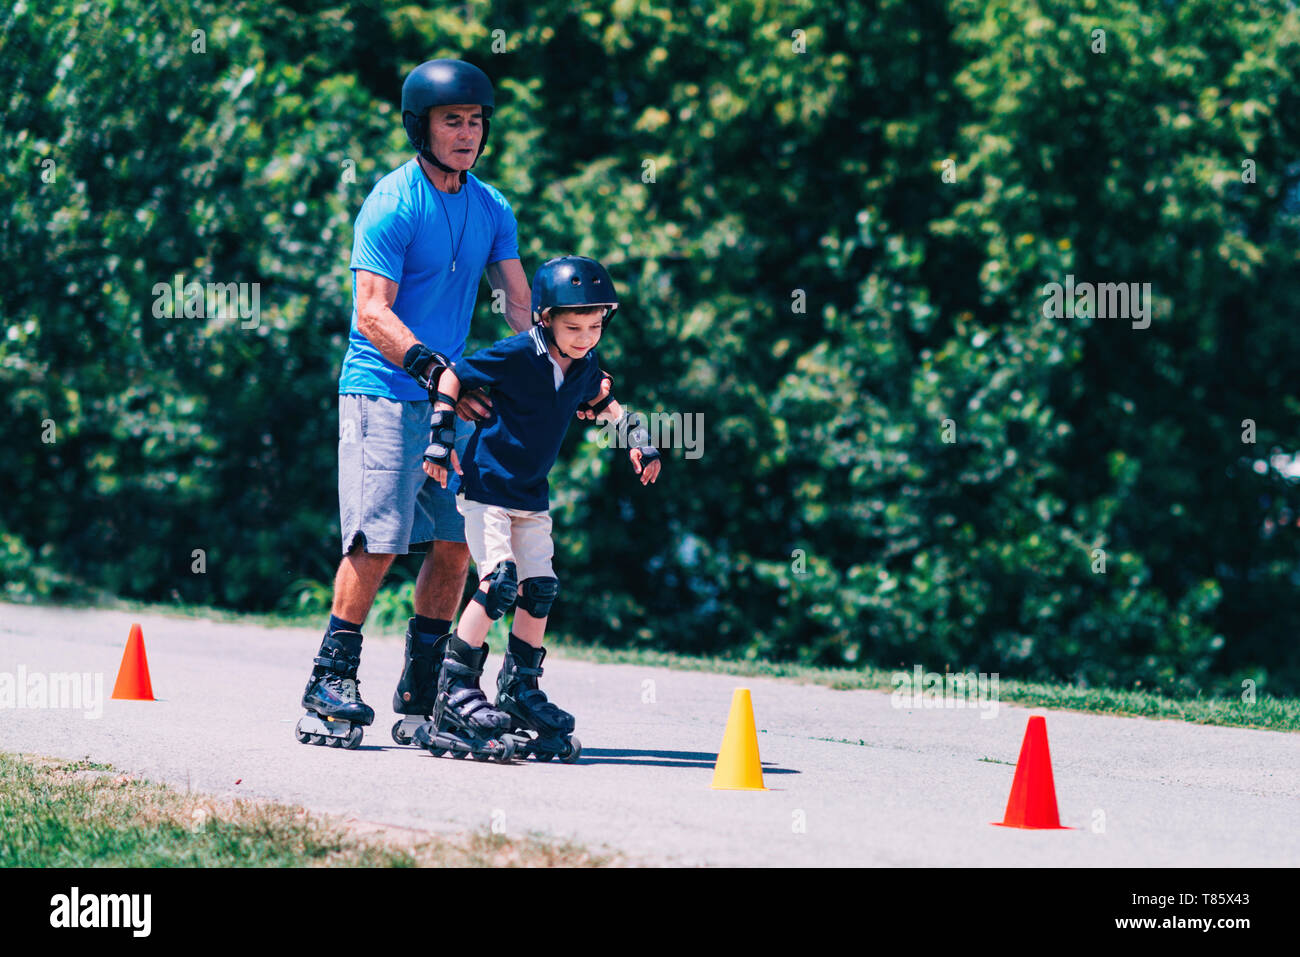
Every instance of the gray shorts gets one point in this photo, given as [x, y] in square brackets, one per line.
[385, 499]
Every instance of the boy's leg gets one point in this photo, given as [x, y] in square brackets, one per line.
[518, 693]
[464, 720]
[530, 539]
[487, 531]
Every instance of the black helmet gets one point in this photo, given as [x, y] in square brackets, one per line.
[573, 281]
[443, 83]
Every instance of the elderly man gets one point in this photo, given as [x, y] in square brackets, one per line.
[423, 238]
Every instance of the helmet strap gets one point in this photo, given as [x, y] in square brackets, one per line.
[428, 153]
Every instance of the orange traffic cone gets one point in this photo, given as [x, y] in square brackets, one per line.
[1032, 804]
[738, 767]
[133, 676]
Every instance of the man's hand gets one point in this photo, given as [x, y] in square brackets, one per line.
[439, 472]
[649, 471]
[474, 406]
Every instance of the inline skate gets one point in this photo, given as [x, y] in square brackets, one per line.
[336, 715]
[417, 689]
[464, 721]
[538, 726]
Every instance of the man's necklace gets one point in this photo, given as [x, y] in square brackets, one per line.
[455, 250]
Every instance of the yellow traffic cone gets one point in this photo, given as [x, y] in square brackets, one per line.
[738, 767]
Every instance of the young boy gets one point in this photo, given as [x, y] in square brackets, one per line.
[539, 379]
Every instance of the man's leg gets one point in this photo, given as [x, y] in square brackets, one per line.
[332, 690]
[357, 583]
[441, 581]
[379, 479]
[438, 590]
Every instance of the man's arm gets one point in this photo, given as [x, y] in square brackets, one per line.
[508, 274]
[376, 319]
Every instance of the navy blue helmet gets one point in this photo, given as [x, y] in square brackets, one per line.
[573, 281]
[443, 83]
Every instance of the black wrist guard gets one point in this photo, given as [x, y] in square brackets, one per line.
[638, 438]
[603, 404]
[424, 366]
[442, 438]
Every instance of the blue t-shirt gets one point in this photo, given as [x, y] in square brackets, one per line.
[511, 453]
[402, 234]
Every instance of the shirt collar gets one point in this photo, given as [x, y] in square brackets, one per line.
[539, 343]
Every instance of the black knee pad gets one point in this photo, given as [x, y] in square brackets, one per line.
[503, 589]
[536, 595]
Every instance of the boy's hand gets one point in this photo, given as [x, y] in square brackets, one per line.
[649, 471]
[442, 445]
[588, 409]
[439, 472]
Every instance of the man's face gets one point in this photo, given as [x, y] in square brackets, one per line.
[576, 333]
[455, 133]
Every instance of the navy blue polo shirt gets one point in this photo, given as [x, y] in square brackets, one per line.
[511, 452]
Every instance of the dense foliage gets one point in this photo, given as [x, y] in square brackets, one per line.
[833, 225]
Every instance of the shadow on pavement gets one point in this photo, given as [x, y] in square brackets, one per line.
[674, 759]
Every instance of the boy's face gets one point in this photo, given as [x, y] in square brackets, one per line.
[576, 333]
[454, 134]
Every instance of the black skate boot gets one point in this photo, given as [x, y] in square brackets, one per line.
[417, 689]
[335, 714]
[464, 721]
[530, 711]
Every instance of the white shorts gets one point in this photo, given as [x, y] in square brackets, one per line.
[496, 534]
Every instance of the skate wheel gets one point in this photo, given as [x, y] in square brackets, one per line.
[317, 739]
[302, 736]
[437, 752]
[575, 752]
[353, 740]
[507, 751]
[460, 754]
[398, 736]
[544, 755]
[481, 756]
[334, 742]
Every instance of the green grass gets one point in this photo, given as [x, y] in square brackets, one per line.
[56, 813]
[1265, 712]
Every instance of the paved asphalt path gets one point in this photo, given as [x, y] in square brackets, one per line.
[852, 780]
